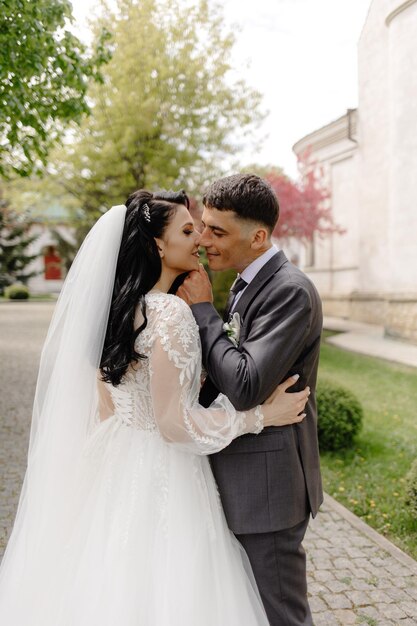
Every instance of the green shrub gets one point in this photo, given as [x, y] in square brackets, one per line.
[411, 488]
[221, 283]
[340, 416]
[17, 292]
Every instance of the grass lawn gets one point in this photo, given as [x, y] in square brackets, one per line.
[369, 479]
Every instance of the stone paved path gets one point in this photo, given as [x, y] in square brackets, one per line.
[370, 339]
[355, 575]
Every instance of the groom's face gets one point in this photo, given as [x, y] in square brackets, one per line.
[227, 240]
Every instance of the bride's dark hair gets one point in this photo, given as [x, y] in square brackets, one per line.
[138, 270]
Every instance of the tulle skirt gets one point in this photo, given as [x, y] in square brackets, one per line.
[143, 542]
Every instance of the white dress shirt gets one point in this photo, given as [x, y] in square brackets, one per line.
[254, 268]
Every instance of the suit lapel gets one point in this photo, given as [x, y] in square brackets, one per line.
[262, 277]
[209, 391]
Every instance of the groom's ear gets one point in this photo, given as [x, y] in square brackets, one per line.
[260, 236]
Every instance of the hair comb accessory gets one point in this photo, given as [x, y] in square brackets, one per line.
[146, 212]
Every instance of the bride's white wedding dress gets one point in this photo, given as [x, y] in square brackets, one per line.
[145, 541]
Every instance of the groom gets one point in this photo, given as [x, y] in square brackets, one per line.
[269, 483]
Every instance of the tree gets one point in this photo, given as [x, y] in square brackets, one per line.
[66, 248]
[304, 204]
[15, 239]
[168, 111]
[44, 74]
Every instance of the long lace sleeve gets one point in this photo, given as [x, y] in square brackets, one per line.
[175, 365]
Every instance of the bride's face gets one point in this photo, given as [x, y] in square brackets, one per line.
[179, 244]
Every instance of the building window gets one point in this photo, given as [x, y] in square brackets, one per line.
[52, 264]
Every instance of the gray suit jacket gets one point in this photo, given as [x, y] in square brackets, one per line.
[270, 481]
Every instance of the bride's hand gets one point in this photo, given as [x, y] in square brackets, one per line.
[282, 408]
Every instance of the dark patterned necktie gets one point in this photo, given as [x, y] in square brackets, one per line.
[237, 286]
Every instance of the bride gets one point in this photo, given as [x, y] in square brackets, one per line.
[119, 520]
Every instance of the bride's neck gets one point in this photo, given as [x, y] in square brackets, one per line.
[165, 280]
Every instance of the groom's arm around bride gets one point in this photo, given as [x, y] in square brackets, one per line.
[269, 483]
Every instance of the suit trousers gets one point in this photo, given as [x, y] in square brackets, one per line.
[279, 565]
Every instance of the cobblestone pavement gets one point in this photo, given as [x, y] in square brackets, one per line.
[355, 575]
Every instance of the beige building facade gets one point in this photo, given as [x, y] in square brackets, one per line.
[369, 155]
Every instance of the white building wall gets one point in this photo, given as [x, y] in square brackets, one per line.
[374, 149]
[335, 267]
[345, 247]
[402, 88]
[370, 273]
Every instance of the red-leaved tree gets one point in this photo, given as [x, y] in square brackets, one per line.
[304, 204]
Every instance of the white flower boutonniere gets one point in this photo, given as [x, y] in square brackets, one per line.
[232, 329]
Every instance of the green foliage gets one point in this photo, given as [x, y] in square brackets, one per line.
[221, 282]
[15, 239]
[262, 170]
[168, 111]
[66, 249]
[17, 292]
[340, 416]
[44, 74]
[411, 488]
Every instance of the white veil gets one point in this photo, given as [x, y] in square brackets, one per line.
[65, 408]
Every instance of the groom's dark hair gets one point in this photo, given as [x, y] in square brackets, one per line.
[248, 195]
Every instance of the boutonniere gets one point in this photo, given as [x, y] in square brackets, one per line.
[232, 329]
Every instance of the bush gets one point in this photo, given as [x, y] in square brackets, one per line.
[340, 416]
[17, 292]
[221, 283]
[411, 488]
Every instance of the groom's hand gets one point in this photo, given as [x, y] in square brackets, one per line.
[196, 287]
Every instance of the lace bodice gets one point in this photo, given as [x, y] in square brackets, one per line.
[161, 393]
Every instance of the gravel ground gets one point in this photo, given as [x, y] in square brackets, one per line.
[23, 329]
